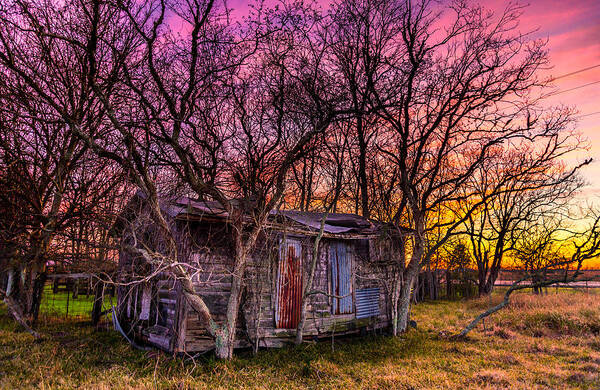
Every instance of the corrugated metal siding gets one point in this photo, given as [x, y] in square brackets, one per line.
[289, 285]
[341, 277]
[367, 302]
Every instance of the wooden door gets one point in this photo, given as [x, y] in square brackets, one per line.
[289, 285]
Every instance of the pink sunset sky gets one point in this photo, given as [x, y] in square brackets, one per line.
[572, 28]
[573, 31]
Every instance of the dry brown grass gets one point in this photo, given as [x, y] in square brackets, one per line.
[553, 315]
[539, 342]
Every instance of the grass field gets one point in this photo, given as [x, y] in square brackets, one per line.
[62, 305]
[543, 342]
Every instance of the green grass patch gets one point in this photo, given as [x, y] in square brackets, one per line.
[62, 304]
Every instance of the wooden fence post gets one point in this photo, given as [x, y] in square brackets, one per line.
[67, 313]
[98, 301]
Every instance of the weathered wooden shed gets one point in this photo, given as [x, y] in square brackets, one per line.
[350, 292]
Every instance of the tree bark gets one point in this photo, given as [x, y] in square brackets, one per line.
[410, 275]
[404, 303]
[15, 311]
[362, 168]
[226, 333]
[98, 300]
[430, 283]
[398, 283]
[38, 291]
[488, 276]
[308, 284]
[225, 340]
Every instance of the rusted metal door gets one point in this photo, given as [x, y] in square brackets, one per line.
[289, 285]
[340, 260]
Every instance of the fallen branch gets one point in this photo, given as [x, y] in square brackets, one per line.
[514, 287]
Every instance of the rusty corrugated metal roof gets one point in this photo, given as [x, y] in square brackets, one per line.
[335, 223]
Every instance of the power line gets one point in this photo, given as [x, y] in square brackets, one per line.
[591, 113]
[572, 89]
[575, 72]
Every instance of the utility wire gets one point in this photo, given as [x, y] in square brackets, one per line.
[575, 72]
[591, 113]
[572, 89]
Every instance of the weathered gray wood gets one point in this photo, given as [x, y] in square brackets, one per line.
[213, 283]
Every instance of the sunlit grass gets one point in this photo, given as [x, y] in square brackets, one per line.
[538, 342]
[62, 304]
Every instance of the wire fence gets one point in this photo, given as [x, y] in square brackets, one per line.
[72, 302]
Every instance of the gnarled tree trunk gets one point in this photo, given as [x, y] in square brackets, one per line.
[410, 275]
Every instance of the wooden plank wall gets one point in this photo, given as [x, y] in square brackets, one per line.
[156, 324]
[208, 249]
[158, 327]
[257, 317]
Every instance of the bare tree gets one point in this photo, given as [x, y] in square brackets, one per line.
[359, 33]
[44, 95]
[555, 247]
[449, 96]
[536, 183]
[196, 122]
[331, 190]
[457, 261]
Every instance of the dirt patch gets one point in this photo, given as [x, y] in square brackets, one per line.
[582, 378]
[504, 334]
[590, 368]
[492, 377]
[509, 359]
